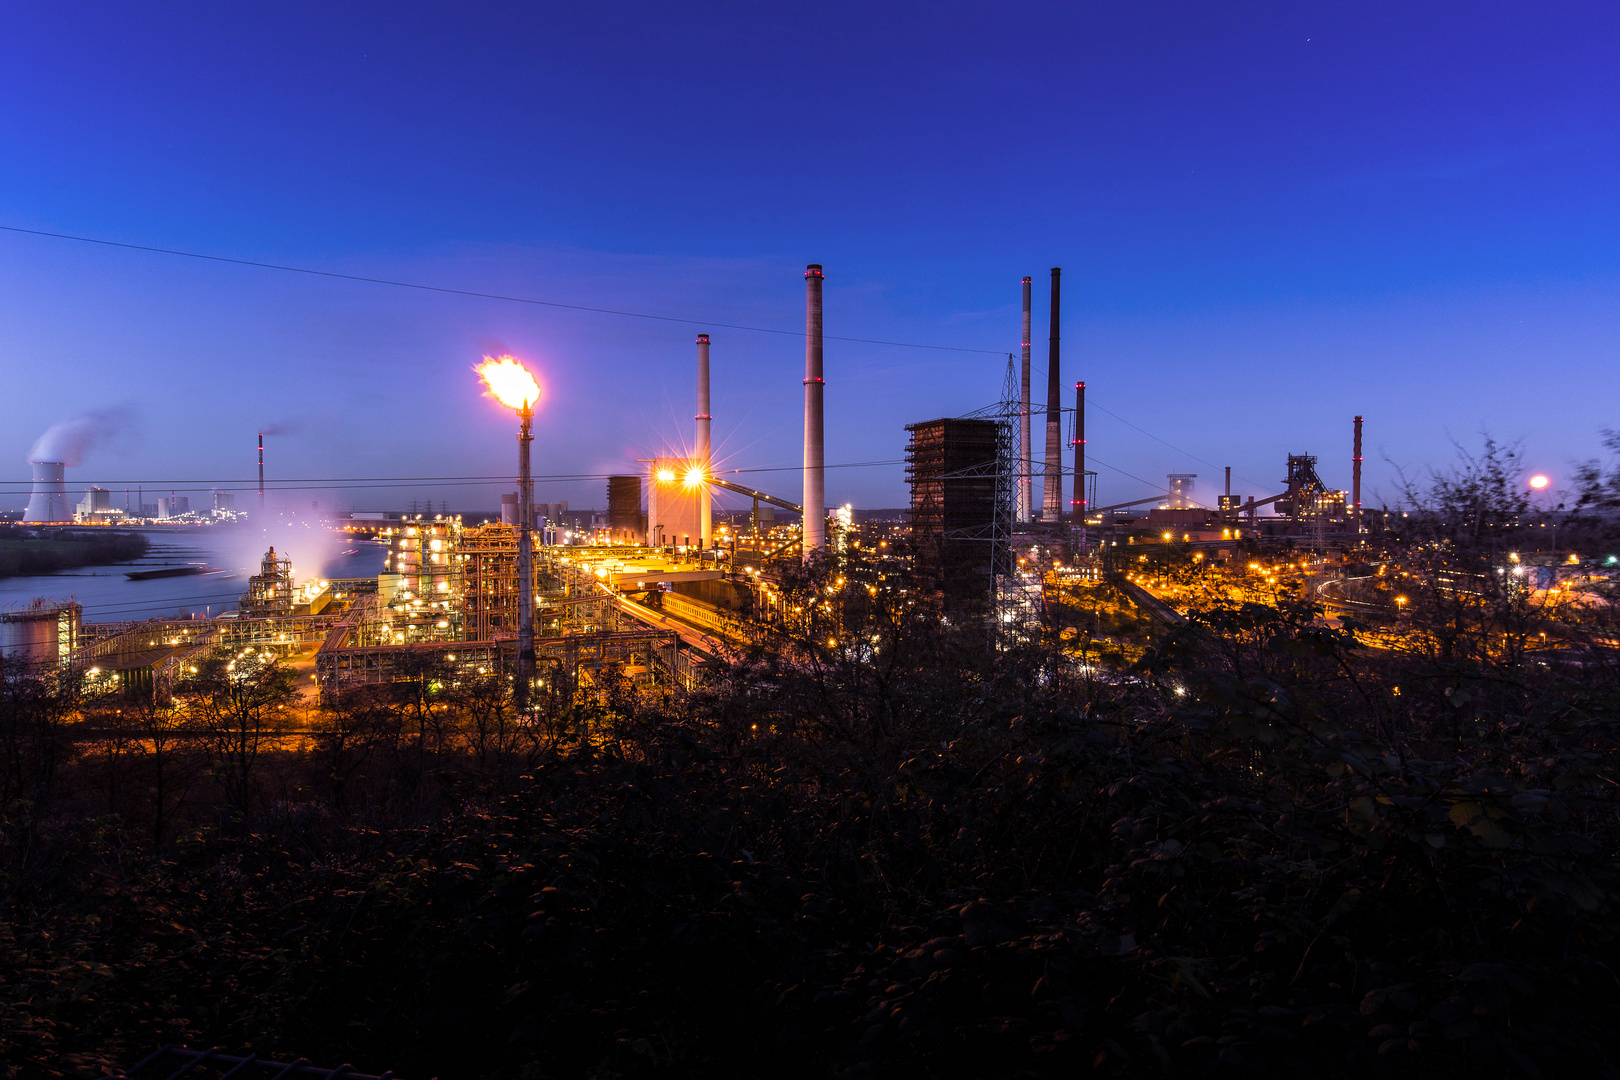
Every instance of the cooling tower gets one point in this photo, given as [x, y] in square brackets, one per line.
[48, 501]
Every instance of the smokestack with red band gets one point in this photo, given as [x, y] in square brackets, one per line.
[1052, 489]
[815, 447]
[261, 476]
[1078, 503]
[1355, 475]
[705, 509]
[1078, 513]
[1026, 467]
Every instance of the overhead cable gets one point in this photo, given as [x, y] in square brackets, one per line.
[477, 294]
[397, 481]
[1093, 403]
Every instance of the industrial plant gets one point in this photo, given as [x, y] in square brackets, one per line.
[666, 581]
[561, 678]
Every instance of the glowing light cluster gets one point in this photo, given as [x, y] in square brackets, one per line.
[1539, 481]
[508, 382]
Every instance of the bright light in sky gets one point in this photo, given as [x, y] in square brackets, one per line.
[508, 381]
[1539, 481]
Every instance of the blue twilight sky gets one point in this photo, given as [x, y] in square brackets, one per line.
[1270, 216]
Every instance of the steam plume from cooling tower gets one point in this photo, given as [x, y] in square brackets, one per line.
[69, 440]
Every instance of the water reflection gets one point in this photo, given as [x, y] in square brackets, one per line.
[107, 595]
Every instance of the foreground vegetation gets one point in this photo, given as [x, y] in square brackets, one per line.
[1264, 850]
[1249, 846]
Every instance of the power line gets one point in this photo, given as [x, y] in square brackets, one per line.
[479, 295]
[1092, 459]
[368, 482]
[1122, 472]
[155, 602]
[573, 307]
[1171, 445]
[800, 468]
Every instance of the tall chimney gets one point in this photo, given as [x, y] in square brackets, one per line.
[705, 461]
[815, 446]
[525, 560]
[1355, 476]
[1229, 481]
[1079, 502]
[261, 476]
[48, 500]
[1052, 489]
[1026, 468]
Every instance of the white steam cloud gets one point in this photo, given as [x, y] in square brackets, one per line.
[303, 536]
[69, 440]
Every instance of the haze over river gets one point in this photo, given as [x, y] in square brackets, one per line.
[107, 595]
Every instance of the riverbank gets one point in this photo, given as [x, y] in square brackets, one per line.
[107, 594]
[30, 551]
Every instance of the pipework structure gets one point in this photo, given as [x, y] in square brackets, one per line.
[815, 447]
[270, 591]
[1052, 489]
[1026, 470]
[705, 460]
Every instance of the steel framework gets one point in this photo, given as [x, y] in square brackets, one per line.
[1012, 604]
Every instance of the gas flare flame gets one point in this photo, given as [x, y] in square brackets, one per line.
[508, 382]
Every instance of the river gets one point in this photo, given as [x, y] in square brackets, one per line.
[107, 595]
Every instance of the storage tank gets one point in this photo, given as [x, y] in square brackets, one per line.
[44, 632]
